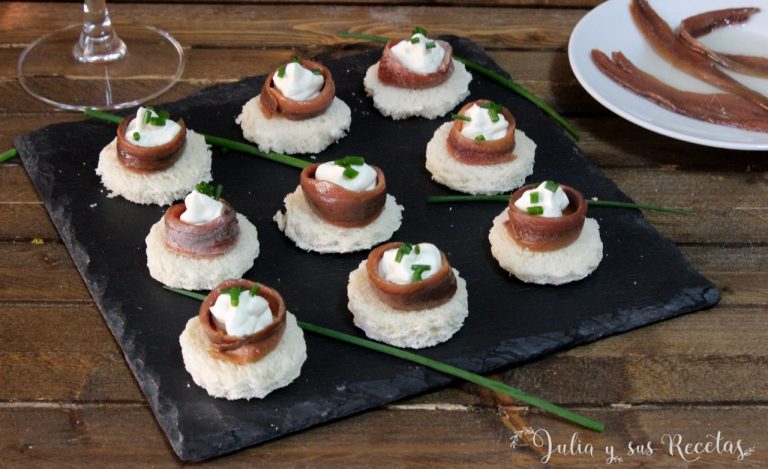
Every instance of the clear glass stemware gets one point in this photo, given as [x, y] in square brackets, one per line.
[89, 66]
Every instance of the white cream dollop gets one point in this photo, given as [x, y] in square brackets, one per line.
[481, 124]
[251, 314]
[553, 202]
[416, 57]
[401, 272]
[200, 209]
[150, 135]
[298, 83]
[364, 181]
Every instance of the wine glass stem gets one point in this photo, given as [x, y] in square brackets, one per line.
[98, 42]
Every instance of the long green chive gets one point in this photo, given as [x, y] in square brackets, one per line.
[536, 210]
[220, 142]
[503, 81]
[254, 290]
[8, 154]
[480, 138]
[418, 271]
[406, 248]
[350, 173]
[431, 45]
[217, 193]
[414, 40]
[136, 136]
[460, 117]
[437, 366]
[234, 295]
[534, 197]
[281, 71]
[438, 199]
[419, 30]
[551, 186]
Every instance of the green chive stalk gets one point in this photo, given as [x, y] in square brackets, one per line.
[503, 81]
[438, 366]
[437, 199]
[220, 142]
[7, 155]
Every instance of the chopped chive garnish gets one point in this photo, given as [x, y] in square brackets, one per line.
[534, 197]
[551, 186]
[406, 248]
[350, 173]
[217, 193]
[147, 116]
[419, 30]
[480, 138]
[295, 59]
[418, 270]
[414, 40]
[317, 72]
[254, 290]
[494, 115]
[431, 45]
[234, 295]
[204, 188]
[460, 117]
[136, 136]
[537, 210]
[281, 71]
[416, 249]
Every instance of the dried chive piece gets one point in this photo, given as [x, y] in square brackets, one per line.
[136, 136]
[418, 270]
[419, 30]
[217, 193]
[406, 248]
[234, 295]
[350, 173]
[480, 138]
[537, 210]
[254, 290]
[204, 188]
[281, 71]
[414, 40]
[460, 117]
[317, 72]
[534, 197]
[431, 45]
[551, 186]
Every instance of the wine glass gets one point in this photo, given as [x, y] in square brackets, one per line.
[88, 66]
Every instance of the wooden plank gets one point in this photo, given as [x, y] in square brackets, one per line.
[391, 437]
[714, 356]
[25, 222]
[291, 25]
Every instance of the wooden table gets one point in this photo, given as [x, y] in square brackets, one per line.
[67, 396]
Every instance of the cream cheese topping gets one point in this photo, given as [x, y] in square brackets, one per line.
[402, 272]
[419, 54]
[480, 123]
[200, 209]
[150, 135]
[298, 83]
[251, 314]
[553, 203]
[365, 180]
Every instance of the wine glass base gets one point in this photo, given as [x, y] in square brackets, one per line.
[48, 70]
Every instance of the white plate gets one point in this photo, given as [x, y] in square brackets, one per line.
[609, 27]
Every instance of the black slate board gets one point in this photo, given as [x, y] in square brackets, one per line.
[642, 279]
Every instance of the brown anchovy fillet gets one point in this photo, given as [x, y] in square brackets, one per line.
[719, 108]
[201, 241]
[393, 73]
[148, 159]
[665, 43]
[274, 102]
[539, 233]
[704, 23]
[249, 348]
[486, 152]
[340, 206]
[428, 293]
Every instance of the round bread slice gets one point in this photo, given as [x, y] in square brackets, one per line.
[410, 329]
[402, 103]
[252, 380]
[311, 233]
[479, 179]
[571, 263]
[161, 187]
[283, 135]
[180, 271]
